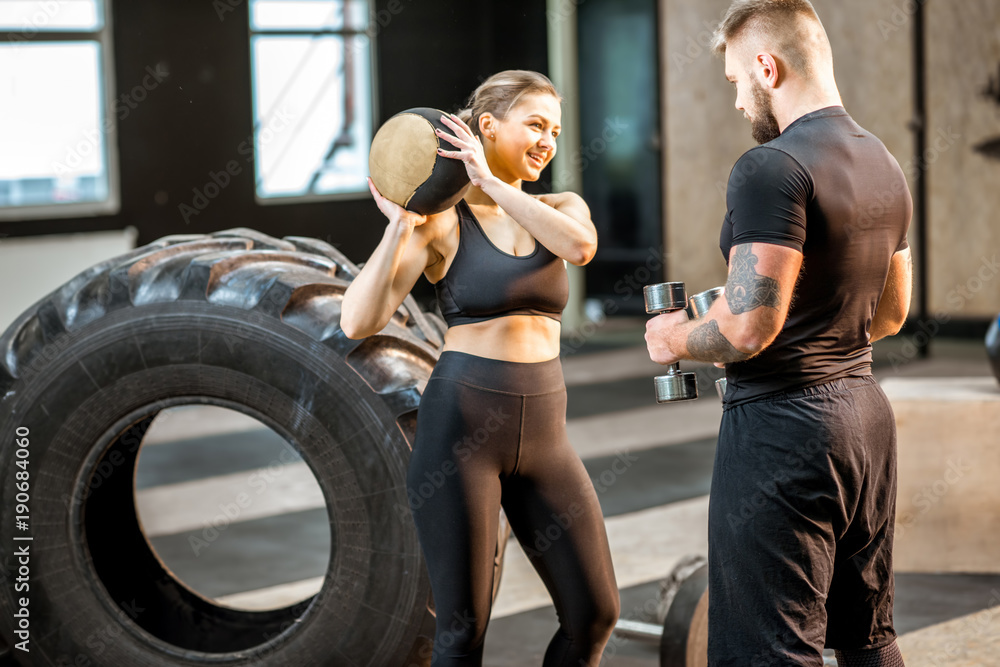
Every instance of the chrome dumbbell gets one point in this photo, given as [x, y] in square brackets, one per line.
[667, 298]
[675, 385]
[698, 305]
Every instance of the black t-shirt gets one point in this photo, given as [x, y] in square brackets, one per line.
[830, 189]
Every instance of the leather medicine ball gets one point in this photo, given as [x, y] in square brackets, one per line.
[406, 169]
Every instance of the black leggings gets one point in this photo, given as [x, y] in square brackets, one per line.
[492, 433]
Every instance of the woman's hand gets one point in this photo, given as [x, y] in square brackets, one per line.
[396, 213]
[471, 153]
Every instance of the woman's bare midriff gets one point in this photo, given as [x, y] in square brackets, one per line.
[522, 338]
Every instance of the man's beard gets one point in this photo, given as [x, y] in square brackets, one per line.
[763, 126]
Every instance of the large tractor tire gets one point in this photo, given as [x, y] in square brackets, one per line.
[234, 319]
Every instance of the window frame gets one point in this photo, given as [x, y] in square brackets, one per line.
[105, 38]
[371, 32]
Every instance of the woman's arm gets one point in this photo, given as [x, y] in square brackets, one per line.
[561, 223]
[389, 274]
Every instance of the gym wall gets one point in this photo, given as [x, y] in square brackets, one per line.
[963, 153]
[195, 121]
[873, 54]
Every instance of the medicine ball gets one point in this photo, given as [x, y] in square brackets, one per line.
[993, 347]
[406, 168]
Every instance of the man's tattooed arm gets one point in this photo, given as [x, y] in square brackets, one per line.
[746, 291]
[707, 343]
[745, 288]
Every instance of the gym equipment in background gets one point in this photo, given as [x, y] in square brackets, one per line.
[681, 627]
[993, 347]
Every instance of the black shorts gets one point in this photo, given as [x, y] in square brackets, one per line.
[801, 519]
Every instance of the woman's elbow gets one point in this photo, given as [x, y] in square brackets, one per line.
[351, 329]
[351, 324]
[583, 253]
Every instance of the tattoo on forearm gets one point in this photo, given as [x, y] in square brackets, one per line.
[707, 343]
[746, 289]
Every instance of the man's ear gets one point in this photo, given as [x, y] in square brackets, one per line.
[767, 67]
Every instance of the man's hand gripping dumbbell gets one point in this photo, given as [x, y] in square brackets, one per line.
[667, 298]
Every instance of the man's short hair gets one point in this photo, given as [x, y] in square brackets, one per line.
[778, 21]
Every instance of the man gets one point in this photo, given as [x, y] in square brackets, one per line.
[804, 484]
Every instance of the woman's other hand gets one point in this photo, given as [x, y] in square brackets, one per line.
[471, 149]
[397, 214]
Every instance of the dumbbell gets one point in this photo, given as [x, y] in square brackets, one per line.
[667, 298]
[675, 385]
[699, 304]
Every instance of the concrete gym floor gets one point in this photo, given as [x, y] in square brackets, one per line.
[652, 467]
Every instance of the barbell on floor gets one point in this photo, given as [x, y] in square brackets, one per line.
[682, 616]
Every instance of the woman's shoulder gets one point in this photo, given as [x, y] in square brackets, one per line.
[559, 199]
[439, 225]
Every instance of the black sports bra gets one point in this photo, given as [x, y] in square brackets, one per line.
[484, 282]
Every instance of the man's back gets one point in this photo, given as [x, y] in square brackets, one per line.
[832, 190]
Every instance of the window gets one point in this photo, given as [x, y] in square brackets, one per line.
[56, 125]
[313, 97]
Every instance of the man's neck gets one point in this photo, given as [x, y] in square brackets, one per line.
[809, 101]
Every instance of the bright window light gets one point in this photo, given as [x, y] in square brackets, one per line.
[308, 14]
[28, 17]
[312, 76]
[57, 132]
[52, 124]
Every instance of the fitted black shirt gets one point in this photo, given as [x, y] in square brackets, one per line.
[831, 190]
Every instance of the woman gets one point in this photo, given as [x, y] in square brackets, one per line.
[492, 419]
